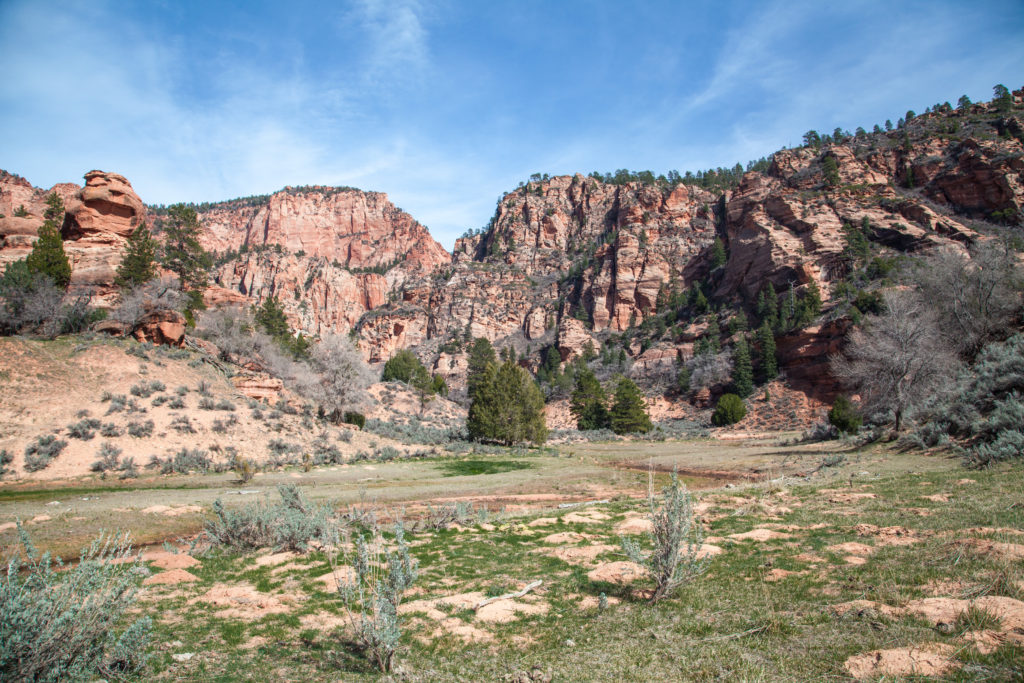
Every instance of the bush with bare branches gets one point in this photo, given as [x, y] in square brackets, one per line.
[898, 359]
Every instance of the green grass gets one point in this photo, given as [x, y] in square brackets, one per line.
[731, 624]
[458, 468]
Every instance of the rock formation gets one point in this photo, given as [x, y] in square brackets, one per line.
[100, 216]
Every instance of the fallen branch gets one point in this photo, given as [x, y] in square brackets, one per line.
[507, 596]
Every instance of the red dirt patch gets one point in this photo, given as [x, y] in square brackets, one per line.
[759, 535]
[636, 525]
[617, 572]
[850, 497]
[565, 537]
[244, 602]
[166, 560]
[577, 554]
[851, 548]
[929, 659]
[889, 535]
[169, 578]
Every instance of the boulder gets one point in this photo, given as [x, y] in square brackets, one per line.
[161, 326]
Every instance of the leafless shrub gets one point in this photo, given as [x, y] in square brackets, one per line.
[341, 376]
[232, 330]
[899, 359]
[977, 299]
[161, 293]
[709, 369]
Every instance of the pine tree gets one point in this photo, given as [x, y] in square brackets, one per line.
[831, 170]
[742, 369]
[507, 407]
[768, 306]
[963, 103]
[718, 255]
[712, 343]
[700, 303]
[47, 256]
[1002, 98]
[810, 303]
[769, 365]
[182, 252]
[481, 357]
[588, 403]
[787, 311]
[628, 412]
[139, 262]
[271, 318]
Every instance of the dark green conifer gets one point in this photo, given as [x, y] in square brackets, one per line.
[742, 369]
[139, 262]
[628, 412]
[47, 256]
[588, 403]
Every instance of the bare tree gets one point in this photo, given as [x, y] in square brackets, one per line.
[899, 359]
[342, 375]
[156, 294]
[709, 369]
[976, 299]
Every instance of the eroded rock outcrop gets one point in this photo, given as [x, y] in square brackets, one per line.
[100, 216]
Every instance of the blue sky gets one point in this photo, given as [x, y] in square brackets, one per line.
[445, 105]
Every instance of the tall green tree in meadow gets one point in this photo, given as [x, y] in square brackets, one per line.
[589, 402]
[507, 407]
[628, 411]
[481, 357]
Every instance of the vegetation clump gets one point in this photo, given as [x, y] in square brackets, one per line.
[373, 595]
[42, 451]
[628, 414]
[844, 416]
[729, 410]
[676, 536]
[64, 623]
[291, 524]
[507, 407]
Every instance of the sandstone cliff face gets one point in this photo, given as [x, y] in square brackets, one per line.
[100, 216]
[315, 248]
[630, 239]
[356, 229]
[916, 189]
